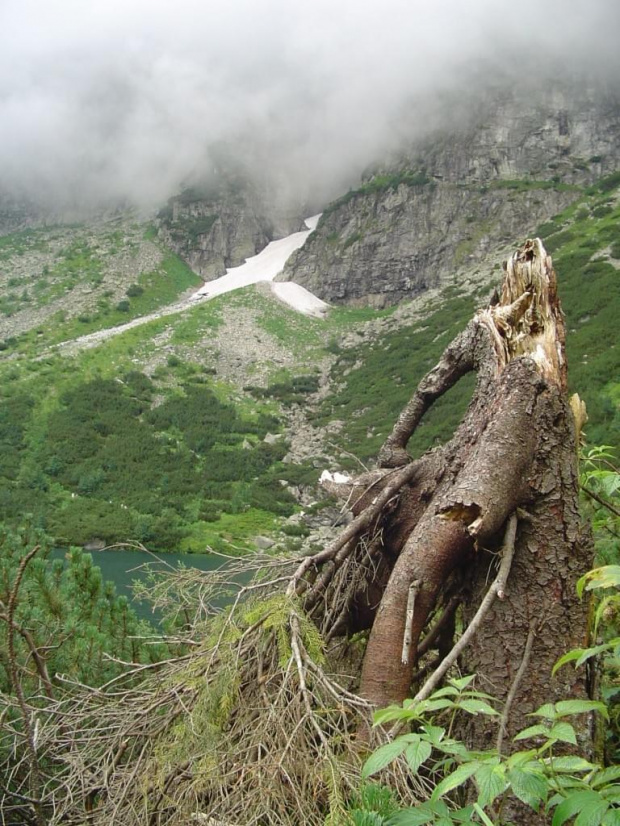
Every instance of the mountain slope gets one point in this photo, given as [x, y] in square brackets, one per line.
[516, 160]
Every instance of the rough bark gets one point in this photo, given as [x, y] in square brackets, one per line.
[515, 449]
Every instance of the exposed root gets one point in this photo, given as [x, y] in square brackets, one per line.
[257, 724]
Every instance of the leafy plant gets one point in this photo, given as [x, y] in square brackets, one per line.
[539, 776]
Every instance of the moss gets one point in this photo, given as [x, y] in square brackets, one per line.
[378, 184]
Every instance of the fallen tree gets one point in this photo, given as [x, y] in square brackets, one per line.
[264, 716]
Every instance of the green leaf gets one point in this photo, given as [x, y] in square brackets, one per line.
[611, 817]
[435, 734]
[529, 786]
[611, 793]
[439, 807]
[521, 758]
[491, 782]
[416, 816]
[454, 747]
[574, 654]
[565, 707]
[363, 818]
[457, 778]
[533, 731]
[477, 707]
[606, 577]
[386, 715]
[417, 753]
[605, 605]
[383, 756]
[606, 776]
[571, 764]
[610, 484]
[576, 803]
[593, 652]
[563, 731]
[434, 705]
[462, 682]
[592, 814]
[547, 710]
[447, 691]
[463, 815]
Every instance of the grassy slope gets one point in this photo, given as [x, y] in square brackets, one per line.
[91, 448]
[585, 243]
[79, 263]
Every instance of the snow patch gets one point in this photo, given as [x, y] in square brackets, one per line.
[264, 267]
[338, 478]
[299, 298]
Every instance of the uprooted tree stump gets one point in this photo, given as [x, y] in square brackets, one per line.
[259, 721]
[439, 529]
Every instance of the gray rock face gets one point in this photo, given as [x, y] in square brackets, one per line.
[444, 203]
[218, 227]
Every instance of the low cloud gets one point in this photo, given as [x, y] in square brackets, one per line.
[120, 100]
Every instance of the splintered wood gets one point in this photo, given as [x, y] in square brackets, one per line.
[528, 320]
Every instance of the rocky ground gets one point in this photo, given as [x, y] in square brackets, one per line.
[66, 271]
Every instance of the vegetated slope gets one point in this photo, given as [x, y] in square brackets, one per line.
[94, 449]
[63, 281]
[374, 380]
[150, 435]
[517, 159]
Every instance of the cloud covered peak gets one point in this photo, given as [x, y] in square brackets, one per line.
[120, 100]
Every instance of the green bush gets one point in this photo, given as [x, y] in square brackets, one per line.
[106, 465]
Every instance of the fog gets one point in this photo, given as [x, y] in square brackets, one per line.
[120, 100]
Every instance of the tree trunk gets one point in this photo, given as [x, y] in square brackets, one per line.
[514, 453]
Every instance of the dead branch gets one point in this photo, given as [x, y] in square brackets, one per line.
[527, 653]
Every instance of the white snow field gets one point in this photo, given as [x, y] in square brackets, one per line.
[264, 267]
[299, 298]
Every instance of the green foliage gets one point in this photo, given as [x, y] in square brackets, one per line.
[68, 614]
[524, 185]
[188, 229]
[353, 239]
[98, 461]
[540, 776]
[600, 478]
[291, 391]
[376, 380]
[600, 482]
[377, 184]
[544, 776]
[608, 183]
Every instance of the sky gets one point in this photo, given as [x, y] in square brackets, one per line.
[120, 100]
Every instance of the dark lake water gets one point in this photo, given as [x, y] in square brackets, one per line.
[123, 568]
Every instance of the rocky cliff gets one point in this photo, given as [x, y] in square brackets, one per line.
[517, 159]
[219, 224]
